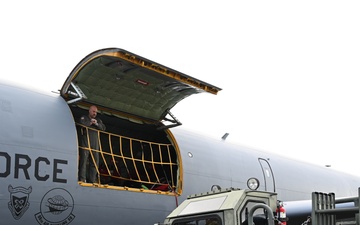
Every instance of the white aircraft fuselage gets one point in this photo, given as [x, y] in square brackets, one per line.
[39, 169]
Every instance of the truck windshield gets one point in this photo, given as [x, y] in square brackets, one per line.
[215, 220]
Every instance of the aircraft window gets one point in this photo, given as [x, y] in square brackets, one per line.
[133, 163]
[267, 172]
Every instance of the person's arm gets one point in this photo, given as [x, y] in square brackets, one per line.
[100, 124]
[85, 121]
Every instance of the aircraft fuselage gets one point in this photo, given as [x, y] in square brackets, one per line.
[145, 168]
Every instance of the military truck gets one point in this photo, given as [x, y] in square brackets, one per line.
[226, 207]
[248, 207]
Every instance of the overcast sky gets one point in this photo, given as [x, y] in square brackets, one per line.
[289, 70]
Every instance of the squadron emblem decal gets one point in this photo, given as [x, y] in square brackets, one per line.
[19, 201]
[56, 208]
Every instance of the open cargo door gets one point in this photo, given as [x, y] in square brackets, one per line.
[134, 96]
[129, 84]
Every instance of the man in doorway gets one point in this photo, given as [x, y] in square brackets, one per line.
[90, 134]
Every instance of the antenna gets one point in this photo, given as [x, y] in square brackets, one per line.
[225, 136]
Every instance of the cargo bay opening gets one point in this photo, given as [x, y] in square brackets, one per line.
[134, 97]
[133, 156]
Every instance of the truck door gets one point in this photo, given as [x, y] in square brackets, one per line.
[269, 180]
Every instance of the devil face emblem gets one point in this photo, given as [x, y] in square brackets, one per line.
[19, 201]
